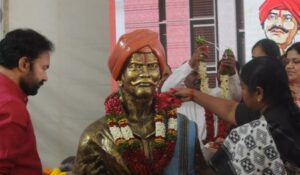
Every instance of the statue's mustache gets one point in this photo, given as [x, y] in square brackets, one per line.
[134, 83]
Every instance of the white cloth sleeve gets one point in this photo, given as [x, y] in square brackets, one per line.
[177, 77]
[234, 87]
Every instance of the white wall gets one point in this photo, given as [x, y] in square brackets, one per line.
[79, 79]
[227, 26]
[253, 29]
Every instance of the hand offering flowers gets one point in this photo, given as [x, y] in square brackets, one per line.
[202, 46]
[227, 66]
[166, 101]
[184, 94]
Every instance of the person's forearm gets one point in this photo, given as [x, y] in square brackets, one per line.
[225, 109]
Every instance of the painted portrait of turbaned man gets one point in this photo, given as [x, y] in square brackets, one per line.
[280, 21]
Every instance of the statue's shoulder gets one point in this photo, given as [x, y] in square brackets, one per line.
[97, 153]
[98, 125]
[95, 133]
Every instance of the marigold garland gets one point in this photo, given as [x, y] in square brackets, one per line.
[130, 147]
[55, 171]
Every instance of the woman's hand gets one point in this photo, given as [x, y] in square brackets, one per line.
[184, 94]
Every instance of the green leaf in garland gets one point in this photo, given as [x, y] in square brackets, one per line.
[200, 40]
[229, 51]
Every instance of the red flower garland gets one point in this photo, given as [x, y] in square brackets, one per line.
[209, 119]
[132, 152]
[210, 128]
[222, 129]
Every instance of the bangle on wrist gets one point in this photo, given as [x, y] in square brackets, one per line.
[191, 94]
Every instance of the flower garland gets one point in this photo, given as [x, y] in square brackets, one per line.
[130, 147]
[224, 86]
[222, 125]
[204, 87]
[203, 77]
[224, 80]
[209, 117]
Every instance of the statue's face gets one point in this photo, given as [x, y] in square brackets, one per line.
[141, 75]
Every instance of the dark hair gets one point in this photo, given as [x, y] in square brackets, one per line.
[269, 47]
[295, 46]
[22, 42]
[269, 74]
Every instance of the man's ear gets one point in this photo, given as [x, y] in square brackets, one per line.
[24, 64]
[259, 94]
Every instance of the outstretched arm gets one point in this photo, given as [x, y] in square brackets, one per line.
[225, 109]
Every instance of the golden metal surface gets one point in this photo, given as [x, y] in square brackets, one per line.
[97, 153]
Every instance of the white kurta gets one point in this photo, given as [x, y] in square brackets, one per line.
[192, 110]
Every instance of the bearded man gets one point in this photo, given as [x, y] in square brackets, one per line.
[24, 62]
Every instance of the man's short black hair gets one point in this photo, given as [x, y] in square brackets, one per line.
[22, 42]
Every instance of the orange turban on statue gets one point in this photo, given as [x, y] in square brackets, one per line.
[130, 43]
[291, 5]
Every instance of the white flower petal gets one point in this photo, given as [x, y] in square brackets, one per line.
[160, 129]
[173, 123]
[115, 132]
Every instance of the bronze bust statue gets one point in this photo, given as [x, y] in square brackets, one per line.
[133, 138]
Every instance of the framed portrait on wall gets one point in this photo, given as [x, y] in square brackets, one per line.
[277, 20]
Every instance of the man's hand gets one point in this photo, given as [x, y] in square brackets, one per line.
[228, 65]
[198, 55]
